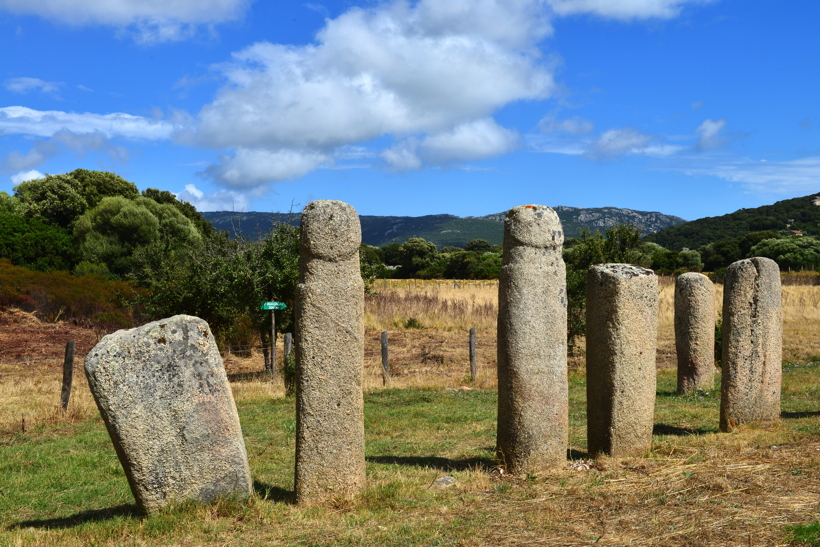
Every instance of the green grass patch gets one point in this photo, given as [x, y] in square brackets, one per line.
[64, 485]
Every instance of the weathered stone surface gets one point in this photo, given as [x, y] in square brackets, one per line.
[622, 326]
[165, 399]
[752, 343]
[695, 332]
[532, 342]
[329, 355]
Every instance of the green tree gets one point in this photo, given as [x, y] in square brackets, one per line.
[416, 255]
[61, 199]
[478, 245]
[187, 210]
[790, 253]
[8, 204]
[619, 244]
[113, 231]
[32, 244]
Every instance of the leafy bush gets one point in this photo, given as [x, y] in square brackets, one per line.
[35, 245]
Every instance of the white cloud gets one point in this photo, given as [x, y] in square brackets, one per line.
[617, 142]
[223, 200]
[250, 168]
[430, 71]
[622, 9]
[402, 156]
[793, 176]
[470, 141]
[709, 135]
[575, 125]
[150, 21]
[26, 175]
[19, 120]
[26, 85]
[41, 152]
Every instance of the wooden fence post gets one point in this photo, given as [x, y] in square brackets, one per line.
[385, 360]
[288, 344]
[473, 367]
[68, 374]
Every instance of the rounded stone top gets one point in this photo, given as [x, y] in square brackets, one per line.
[692, 278]
[534, 226]
[331, 229]
[621, 271]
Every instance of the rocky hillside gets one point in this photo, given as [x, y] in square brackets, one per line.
[449, 229]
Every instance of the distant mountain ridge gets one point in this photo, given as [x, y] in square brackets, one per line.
[798, 214]
[446, 229]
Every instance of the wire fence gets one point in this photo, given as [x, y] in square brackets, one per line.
[415, 352]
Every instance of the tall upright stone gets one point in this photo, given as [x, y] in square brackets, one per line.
[695, 332]
[329, 355]
[532, 342]
[165, 399]
[622, 327]
[752, 343]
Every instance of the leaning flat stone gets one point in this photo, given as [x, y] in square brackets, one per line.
[165, 399]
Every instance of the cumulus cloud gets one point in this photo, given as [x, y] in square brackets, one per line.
[26, 175]
[622, 9]
[27, 85]
[40, 152]
[223, 200]
[150, 21]
[19, 120]
[575, 125]
[470, 141]
[432, 71]
[402, 156]
[250, 168]
[709, 135]
[617, 142]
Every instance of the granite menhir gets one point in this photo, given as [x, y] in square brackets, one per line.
[695, 332]
[622, 327]
[329, 339]
[165, 399]
[752, 343]
[532, 342]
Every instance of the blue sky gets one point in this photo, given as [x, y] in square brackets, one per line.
[689, 107]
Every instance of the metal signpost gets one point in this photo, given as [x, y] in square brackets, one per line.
[272, 306]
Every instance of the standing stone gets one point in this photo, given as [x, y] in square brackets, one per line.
[532, 342]
[695, 332]
[622, 327]
[165, 399]
[752, 343]
[329, 355]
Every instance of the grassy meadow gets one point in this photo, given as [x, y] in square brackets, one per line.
[61, 483]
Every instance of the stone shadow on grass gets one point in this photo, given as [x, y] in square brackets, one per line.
[94, 515]
[434, 462]
[664, 429]
[806, 414]
[274, 493]
[573, 455]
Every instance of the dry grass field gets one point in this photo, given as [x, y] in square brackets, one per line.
[696, 486]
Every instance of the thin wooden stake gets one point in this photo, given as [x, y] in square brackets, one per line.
[68, 374]
[288, 345]
[385, 360]
[473, 367]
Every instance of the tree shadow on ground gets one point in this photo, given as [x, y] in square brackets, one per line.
[274, 493]
[434, 462]
[806, 414]
[94, 515]
[665, 429]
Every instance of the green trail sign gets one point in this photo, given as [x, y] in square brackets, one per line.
[273, 306]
